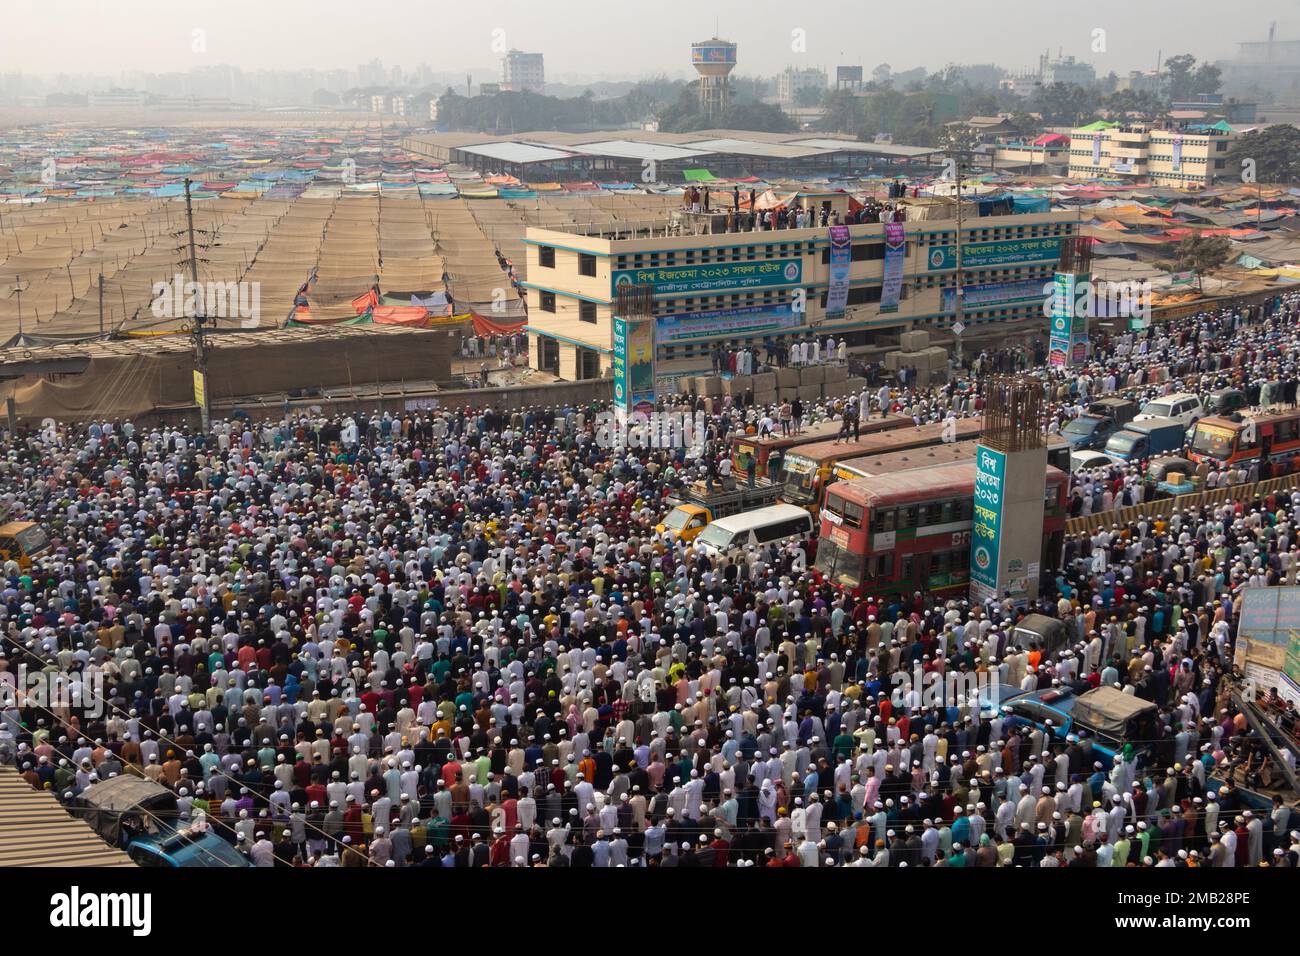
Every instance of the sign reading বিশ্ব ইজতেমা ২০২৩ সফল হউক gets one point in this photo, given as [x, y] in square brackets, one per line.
[986, 521]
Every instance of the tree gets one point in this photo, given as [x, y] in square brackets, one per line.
[843, 113]
[1186, 79]
[1273, 152]
[808, 96]
[1066, 104]
[1121, 103]
[959, 139]
[1201, 254]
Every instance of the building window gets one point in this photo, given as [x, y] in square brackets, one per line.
[587, 312]
[586, 264]
[546, 257]
[547, 301]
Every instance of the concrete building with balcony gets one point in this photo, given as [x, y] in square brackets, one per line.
[741, 288]
[1190, 157]
[522, 72]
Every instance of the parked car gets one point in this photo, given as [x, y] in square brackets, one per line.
[1181, 406]
[1087, 460]
[1089, 431]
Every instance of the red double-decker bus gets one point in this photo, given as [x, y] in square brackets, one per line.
[909, 531]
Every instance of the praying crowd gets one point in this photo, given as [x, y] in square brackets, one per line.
[454, 638]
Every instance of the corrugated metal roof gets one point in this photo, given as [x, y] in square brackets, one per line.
[749, 147]
[36, 831]
[881, 149]
[515, 152]
[627, 149]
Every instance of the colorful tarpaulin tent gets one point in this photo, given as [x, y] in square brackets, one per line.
[698, 175]
[485, 326]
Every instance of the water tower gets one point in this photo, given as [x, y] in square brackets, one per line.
[714, 60]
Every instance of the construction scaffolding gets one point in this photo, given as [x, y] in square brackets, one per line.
[1014, 414]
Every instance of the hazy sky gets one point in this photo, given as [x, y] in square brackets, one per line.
[618, 37]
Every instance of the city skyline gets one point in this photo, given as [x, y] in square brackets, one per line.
[153, 37]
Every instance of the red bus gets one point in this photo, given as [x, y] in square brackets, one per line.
[910, 530]
[770, 450]
[1240, 440]
[810, 468]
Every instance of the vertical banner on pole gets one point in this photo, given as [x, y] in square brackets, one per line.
[895, 252]
[1083, 305]
[1096, 149]
[1062, 317]
[634, 365]
[1178, 152]
[837, 294]
[986, 523]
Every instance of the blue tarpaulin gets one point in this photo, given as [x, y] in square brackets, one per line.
[1031, 204]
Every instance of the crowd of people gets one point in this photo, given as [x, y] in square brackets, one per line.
[453, 637]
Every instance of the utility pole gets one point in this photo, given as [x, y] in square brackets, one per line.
[960, 291]
[101, 305]
[200, 345]
[18, 291]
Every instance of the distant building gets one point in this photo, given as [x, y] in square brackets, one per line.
[489, 89]
[523, 72]
[1023, 85]
[1212, 106]
[378, 102]
[193, 103]
[791, 83]
[1048, 153]
[1271, 64]
[1068, 70]
[117, 99]
[1142, 81]
[1187, 157]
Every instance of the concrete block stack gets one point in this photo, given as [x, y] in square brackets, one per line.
[765, 389]
[710, 386]
[737, 385]
[930, 361]
[836, 385]
[914, 341]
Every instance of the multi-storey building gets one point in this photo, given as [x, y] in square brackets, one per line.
[523, 71]
[791, 82]
[1068, 70]
[745, 288]
[1190, 157]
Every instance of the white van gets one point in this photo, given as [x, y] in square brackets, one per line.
[1183, 407]
[733, 534]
